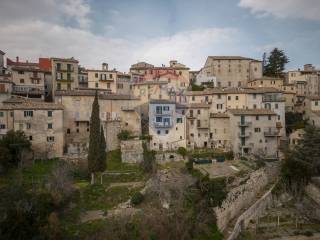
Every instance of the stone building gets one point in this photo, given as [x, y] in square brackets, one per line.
[232, 71]
[124, 83]
[64, 74]
[82, 78]
[254, 131]
[102, 79]
[29, 78]
[268, 82]
[117, 112]
[197, 116]
[42, 123]
[167, 126]
[176, 74]
[312, 110]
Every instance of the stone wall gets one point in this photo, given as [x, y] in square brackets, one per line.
[131, 151]
[245, 194]
[311, 201]
[255, 211]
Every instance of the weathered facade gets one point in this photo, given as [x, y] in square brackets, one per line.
[41, 122]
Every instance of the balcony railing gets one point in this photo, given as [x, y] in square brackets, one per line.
[127, 108]
[106, 79]
[60, 69]
[244, 135]
[246, 145]
[162, 125]
[273, 132]
[64, 79]
[170, 112]
[244, 124]
[273, 99]
[28, 89]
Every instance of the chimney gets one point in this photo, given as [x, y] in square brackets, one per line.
[17, 59]
[105, 66]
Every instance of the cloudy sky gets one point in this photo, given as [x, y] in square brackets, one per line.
[122, 32]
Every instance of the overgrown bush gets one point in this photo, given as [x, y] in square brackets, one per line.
[182, 151]
[137, 198]
[189, 165]
[124, 135]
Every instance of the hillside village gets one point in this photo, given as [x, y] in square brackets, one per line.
[167, 129]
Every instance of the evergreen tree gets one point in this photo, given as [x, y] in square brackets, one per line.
[94, 139]
[276, 63]
[102, 152]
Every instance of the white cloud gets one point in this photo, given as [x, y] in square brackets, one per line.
[77, 9]
[306, 9]
[32, 39]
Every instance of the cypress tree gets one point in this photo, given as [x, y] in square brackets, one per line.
[94, 145]
[276, 63]
[102, 152]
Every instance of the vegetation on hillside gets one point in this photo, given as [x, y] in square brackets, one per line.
[11, 147]
[302, 162]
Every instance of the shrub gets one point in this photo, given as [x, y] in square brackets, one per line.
[182, 151]
[124, 135]
[137, 198]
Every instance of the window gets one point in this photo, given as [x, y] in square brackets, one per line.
[68, 76]
[229, 97]
[21, 80]
[191, 135]
[229, 84]
[166, 108]
[96, 75]
[28, 113]
[257, 130]
[50, 139]
[276, 106]
[97, 85]
[269, 117]
[58, 66]
[49, 113]
[20, 72]
[237, 97]
[167, 131]
[77, 130]
[199, 111]
[2, 126]
[193, 98]
[120, 85]
[30, 138]
[68, 131]
[257, 117]
[219, 96]
[69, 67]
[316, 103]
[59, 86]
[110, 76]
[158, 132]
[69, 86]
[179, 120]
[158, 119]
[1, 114]
[28, 125]
[50, 125]
[254, 106]
[191, 122]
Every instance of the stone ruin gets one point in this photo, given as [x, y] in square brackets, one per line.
[131, 151]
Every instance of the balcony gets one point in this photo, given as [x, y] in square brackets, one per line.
[170, 112]
[273, 132]
[106, 79]
[35, 77]
[60, 69]
[28, 89]
[244, 134]
[244, 124]
[246, 145]
[162, 125]
[127, 108]
[65, 79]
[273, 99]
